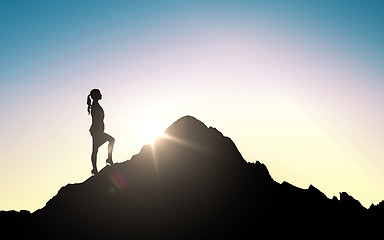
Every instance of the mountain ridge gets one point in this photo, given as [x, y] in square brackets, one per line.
[192, 182]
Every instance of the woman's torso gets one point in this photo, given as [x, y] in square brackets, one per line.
[97, 114]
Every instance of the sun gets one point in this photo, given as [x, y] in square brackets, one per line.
[150, 130]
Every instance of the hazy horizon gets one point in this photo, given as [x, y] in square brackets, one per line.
[297, 86]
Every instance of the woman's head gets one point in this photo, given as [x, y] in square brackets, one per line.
[95, 94]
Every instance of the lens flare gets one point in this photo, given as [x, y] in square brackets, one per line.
[118, 180]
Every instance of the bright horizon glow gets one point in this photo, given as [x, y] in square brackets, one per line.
[298, 86]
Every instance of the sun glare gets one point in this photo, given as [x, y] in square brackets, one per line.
[150, 130]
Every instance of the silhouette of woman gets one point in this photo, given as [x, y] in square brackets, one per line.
[99, 137]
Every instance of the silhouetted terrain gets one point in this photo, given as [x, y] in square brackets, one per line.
[194, 183]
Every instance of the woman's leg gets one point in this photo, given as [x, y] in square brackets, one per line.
[98, 140]
[95, 149]
[111, 142]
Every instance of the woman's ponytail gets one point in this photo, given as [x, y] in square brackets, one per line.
[89, 103]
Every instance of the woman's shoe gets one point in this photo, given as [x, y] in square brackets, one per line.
[94, 172]
[109, 161]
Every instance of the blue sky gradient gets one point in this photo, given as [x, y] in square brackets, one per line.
[297, 85]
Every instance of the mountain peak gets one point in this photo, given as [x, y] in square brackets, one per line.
[191, 183]
[187, 127]
[194, 132]
[187, 121]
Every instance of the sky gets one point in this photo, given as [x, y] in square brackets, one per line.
[297, 85]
